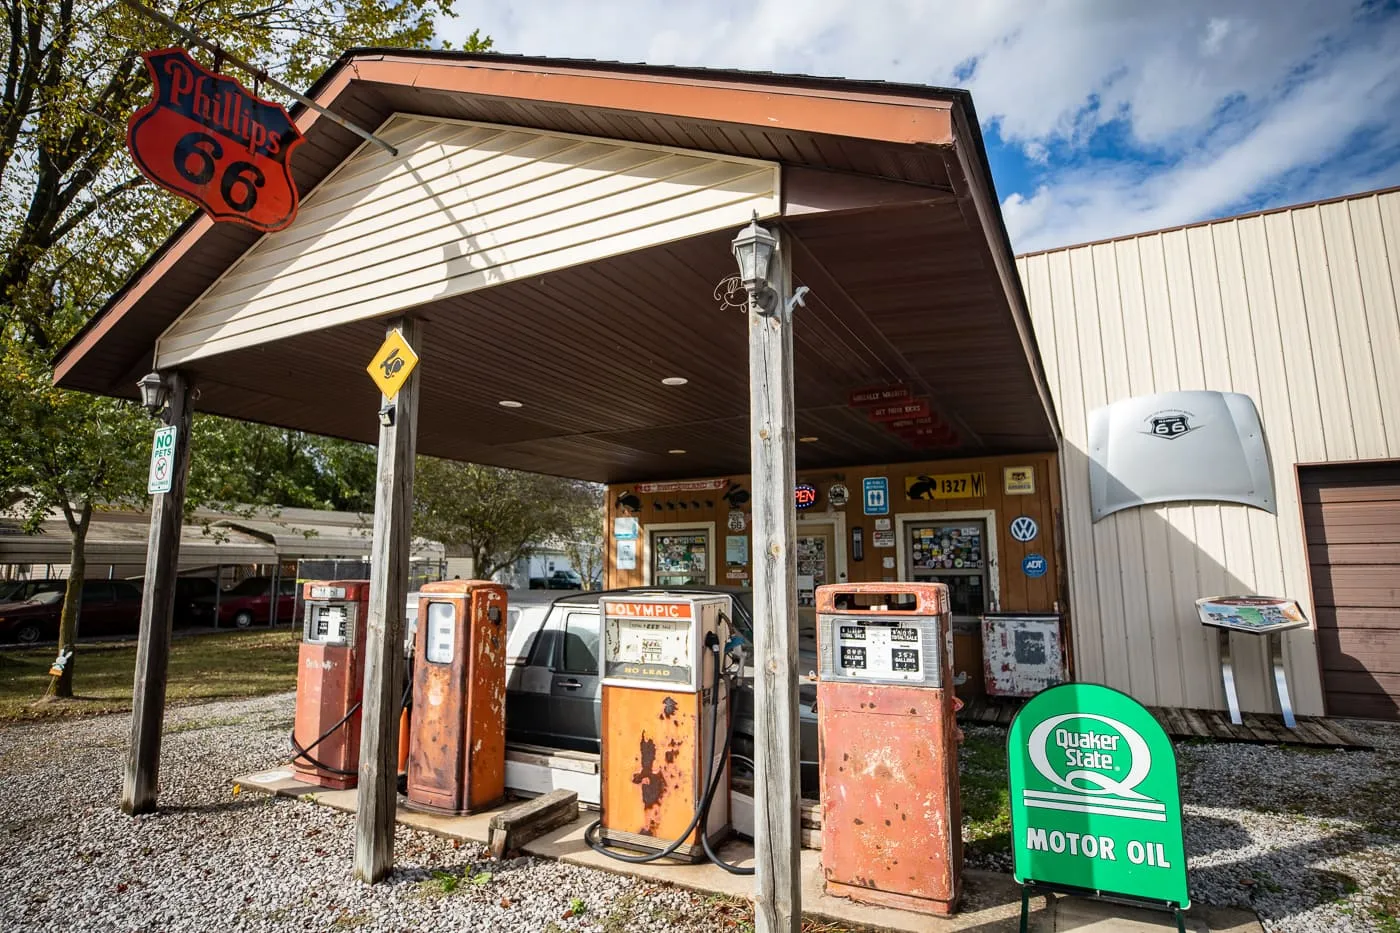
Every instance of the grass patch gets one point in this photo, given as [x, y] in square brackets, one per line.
[221, 666]
[986, 803]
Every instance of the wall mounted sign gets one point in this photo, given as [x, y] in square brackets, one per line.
[1018, 480]
[1024, 528]
[878, 395]
[838, 495]
[683, 485]
[882, 539]
[162, 471]
[205, 137]
[1034, 565]
[946, 486]
[626, 529]
[918, 408]
[1022, 654]
[736, 549]
[1095, 801]
[876, 492]
[627, 555]
[887, 563]
[805, 495]
[1177, 447]
[393, 363]
[883, 524]
[1257, 614]
[736, 520]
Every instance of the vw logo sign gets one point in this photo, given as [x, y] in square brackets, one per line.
[1035, 565]
[1024, 529]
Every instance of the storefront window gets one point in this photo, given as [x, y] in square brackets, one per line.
[951, 553]
[680, 559]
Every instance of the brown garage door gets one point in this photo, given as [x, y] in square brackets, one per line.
[1352, 518]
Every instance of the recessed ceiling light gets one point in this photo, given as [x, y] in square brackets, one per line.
[675, 450]
[510, 403]
[808, 439]
[674, 381]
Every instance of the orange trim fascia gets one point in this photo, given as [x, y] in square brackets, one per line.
[896, 119]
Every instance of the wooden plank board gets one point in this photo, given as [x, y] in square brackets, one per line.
[1260, 729]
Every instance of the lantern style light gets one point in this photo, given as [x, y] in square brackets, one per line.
[753, 250]
[154, 392]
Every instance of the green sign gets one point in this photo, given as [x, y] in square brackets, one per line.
[162, 461]
[1094, 797]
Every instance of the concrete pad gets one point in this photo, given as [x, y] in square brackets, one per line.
[991, 902]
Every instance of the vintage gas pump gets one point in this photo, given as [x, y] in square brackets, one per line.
[665, 777]
[457, 749]
[891, 817]
[330, 682]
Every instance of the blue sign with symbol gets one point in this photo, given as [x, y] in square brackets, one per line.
[1035, 565]
[877, 495]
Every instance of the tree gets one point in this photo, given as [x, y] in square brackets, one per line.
[585, 538]
[498, 516]
[76, 219]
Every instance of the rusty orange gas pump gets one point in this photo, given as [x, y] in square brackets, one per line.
[457, 748]
[330, 682]
[665, 778]
[891, 815]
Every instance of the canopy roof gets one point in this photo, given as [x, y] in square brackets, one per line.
[563, 228]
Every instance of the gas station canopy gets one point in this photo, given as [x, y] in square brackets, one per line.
[563, 230]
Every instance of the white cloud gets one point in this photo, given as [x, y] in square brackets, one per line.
[1212, 102]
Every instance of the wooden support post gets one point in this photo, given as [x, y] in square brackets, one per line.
[157, 610]
[777, 839]
[384, 660]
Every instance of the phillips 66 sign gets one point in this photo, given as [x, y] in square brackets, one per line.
[204, 137]
[1094, 798]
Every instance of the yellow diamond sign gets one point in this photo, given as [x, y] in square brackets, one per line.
[392, 364]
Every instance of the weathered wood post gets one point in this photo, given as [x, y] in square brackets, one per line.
[388, 594]
[157, 610]
[777, 838]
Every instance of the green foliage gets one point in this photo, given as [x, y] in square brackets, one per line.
[76, 219]
[497, 516]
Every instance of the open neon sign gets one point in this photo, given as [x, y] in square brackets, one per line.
[805, 495]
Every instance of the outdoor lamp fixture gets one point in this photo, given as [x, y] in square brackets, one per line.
[753, 250]
[154, 392]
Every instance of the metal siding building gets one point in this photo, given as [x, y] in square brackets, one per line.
[1296, 308]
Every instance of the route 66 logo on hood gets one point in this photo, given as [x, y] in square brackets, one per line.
[204, 137]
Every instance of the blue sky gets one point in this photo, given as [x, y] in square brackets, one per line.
[1102, 117]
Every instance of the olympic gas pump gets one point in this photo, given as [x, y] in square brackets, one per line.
[330, 682]
[891, 814]
[665, 775]
[457, 745]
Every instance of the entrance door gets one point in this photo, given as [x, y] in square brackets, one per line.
[952, 552]
[1351, 516]
[816, 560]
[680, 558]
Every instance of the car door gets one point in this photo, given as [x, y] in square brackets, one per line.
[97, 616]
[126, 608]
[528, 700]
[575, 701]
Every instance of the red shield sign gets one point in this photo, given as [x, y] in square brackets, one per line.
[205, 138]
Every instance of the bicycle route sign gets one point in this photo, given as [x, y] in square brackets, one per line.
[1095, 802]
[162, 461]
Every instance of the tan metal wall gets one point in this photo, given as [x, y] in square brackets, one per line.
[462, 206]
[1296, 309]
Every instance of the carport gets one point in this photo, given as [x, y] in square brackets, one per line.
[554, 239]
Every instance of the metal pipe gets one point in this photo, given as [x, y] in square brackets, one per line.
[195, 39]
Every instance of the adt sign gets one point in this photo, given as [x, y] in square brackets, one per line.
[1034, 565]
[1095, 804]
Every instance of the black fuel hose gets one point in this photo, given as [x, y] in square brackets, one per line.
[306, 752]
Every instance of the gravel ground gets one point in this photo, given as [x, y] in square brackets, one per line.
[212, 860]
[1307, 838]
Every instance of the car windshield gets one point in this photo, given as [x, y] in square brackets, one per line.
[48, 598]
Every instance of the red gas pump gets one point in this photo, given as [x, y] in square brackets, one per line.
[891, 815]
[330, 682]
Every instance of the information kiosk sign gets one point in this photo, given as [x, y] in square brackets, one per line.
[1095, 804]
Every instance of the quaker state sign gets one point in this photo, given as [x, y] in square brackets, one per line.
[204, 137]
[1095, 803]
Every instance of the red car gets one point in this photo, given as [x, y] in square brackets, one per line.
[110, 607]
[250, 601]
